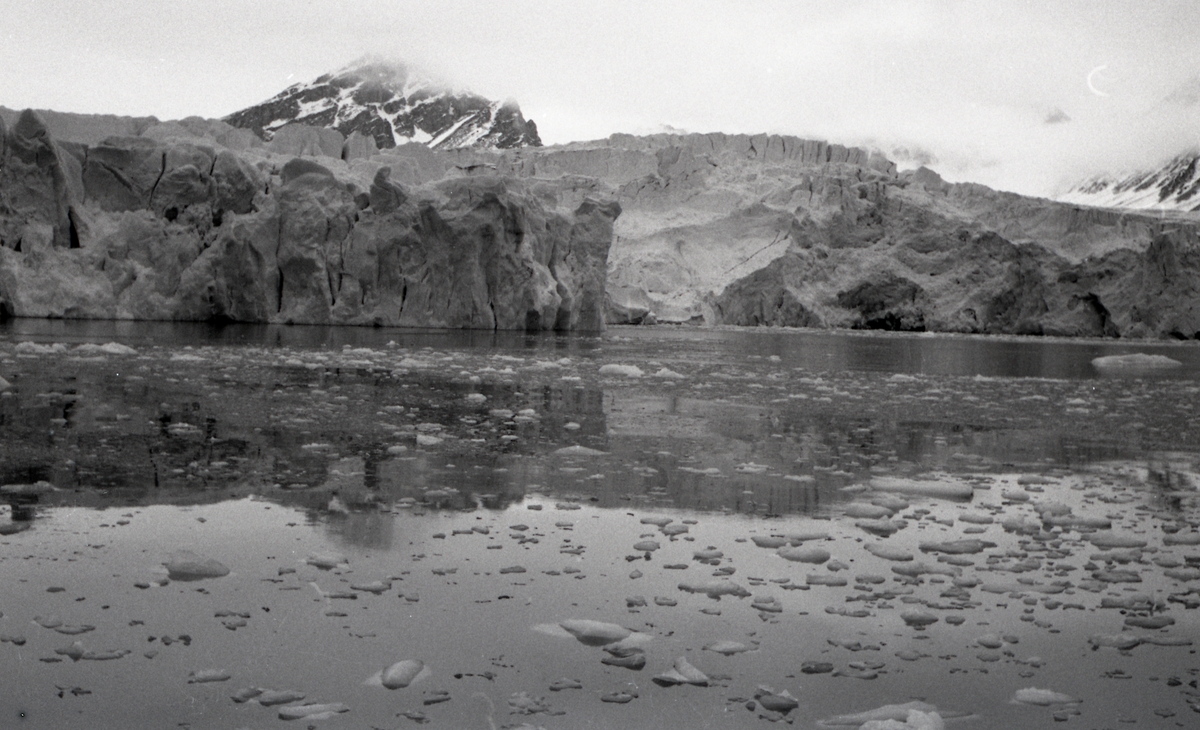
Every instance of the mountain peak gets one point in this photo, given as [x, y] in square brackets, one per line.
[1173, 186]
[394, 104]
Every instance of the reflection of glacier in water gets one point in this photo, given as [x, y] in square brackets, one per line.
[848, 520]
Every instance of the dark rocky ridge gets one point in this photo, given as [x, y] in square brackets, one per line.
[391, 105]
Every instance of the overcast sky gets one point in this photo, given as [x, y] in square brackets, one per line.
[997, 91]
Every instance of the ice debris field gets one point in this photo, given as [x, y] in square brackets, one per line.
[394, 536]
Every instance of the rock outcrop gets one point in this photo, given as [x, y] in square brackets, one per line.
[182, 228]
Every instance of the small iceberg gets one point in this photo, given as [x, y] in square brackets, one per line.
[400, 675]
[1042, 697]
[186, 565]
[927, 716]
[1138, 362]
[594, 633]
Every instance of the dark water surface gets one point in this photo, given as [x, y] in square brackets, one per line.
[373, 492]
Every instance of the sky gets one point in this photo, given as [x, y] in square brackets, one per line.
[1021, 96]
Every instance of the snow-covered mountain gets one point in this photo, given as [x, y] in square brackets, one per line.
[391, 103]
[1174, 186]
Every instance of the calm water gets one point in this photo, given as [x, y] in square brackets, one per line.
[417, 465]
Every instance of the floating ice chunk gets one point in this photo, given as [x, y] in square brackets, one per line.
[915, 720]
[888, 712]
[116, 348]
[186, 565]
[272, 697]
[769, 541]
[667, 373]
[859, 510]
[523, 703]
[1117, 576]
[48, 622]
[1121, 642]
[1183, 574]
[957, 547]
[34, 348]
[375, 586]
[1182, 538]
[767, 604]
[881, 527]
[682, 673]
[625, 657]
[1149, 622]
[918, 619]
[1115, 540]
[245, 694]
[888, 552]
[559, 685]
[945, 488]
[1021, 525]
[629, 371]
[714, 588]
[325, 561]
[782, 702]
[728, 648]
[594, 633]
[890, 501]
[75, 651]
[578, 451]
[1138, 362]
[1135, 601]
[402, 674]
[1043, 697]
[796, 538]
[750, 467]
[312, 711]
[106, 655]
[913, 570]
[814, 555]
[833, 581]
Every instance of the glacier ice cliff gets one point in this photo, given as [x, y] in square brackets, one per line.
[198, 220]
[179, 227]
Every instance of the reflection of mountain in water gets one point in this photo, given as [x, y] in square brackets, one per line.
[309, 437]
[718, 421]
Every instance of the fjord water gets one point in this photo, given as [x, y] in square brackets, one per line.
[454, 497]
